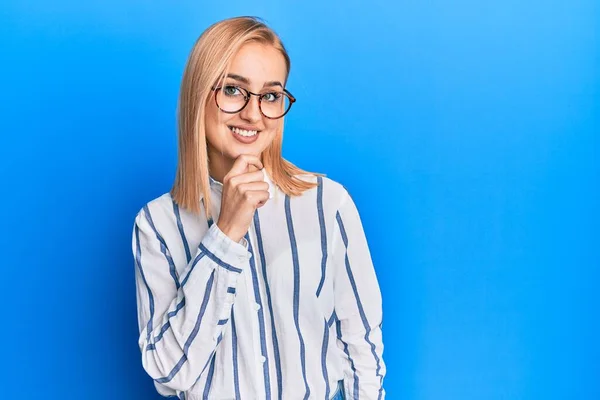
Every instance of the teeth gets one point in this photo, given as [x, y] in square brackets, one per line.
[243, 132]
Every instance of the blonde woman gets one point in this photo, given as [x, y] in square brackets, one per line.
[254, 277]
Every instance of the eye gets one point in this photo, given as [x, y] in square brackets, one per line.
[230, 90]
[272, 97]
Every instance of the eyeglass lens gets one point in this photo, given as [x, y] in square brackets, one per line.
[232, 99]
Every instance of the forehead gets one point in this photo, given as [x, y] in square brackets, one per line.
[259, 63]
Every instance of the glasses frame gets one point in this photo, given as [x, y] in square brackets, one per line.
[285, 92]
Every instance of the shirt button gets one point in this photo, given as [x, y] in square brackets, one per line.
[256, 306]
[262, 359]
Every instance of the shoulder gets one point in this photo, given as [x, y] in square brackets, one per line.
[159, 209]
[330, 190]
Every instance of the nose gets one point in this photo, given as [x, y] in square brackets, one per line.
[251, 112]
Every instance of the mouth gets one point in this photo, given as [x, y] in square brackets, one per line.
[244, 135]
[243, 132]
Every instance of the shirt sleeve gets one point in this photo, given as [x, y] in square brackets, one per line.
[358, 306]
[181, 316]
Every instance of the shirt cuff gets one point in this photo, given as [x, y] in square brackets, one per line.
[226, 250]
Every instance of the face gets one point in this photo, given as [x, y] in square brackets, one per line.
[259, 69]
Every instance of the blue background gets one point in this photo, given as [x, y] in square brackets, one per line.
[467, 132]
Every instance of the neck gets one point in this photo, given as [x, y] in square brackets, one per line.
[218, 165]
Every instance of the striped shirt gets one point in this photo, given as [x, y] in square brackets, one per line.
[285, 313]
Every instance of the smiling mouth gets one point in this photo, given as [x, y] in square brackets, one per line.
[244, 132]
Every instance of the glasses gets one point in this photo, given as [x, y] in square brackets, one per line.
[232, 99]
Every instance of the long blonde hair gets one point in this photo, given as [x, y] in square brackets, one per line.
[210, 57]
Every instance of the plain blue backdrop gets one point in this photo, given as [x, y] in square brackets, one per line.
[466, 131]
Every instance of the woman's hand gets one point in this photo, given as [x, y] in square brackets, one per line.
[243, 193]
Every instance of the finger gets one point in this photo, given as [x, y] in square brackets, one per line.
[247, 177]
[242, 163]
[253, 186]
[261, 203]
[253, 168]
[255, 197]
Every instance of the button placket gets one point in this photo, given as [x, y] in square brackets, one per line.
[260, 359]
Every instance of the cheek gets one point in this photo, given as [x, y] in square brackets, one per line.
[215, 121]
[272, 126]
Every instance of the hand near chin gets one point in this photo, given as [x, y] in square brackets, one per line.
[244, 190]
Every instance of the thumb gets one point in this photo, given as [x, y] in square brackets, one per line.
[252, 168]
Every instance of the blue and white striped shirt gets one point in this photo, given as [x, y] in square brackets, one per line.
[286, 313]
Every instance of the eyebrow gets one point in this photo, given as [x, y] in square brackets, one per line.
[247, 81]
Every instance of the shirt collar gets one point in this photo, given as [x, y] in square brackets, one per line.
[215, 184]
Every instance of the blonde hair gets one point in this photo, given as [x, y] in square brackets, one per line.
[210, 57]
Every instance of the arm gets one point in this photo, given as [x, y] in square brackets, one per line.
[358, 306]
[181, 322]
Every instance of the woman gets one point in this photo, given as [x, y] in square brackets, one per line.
[254, 278]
